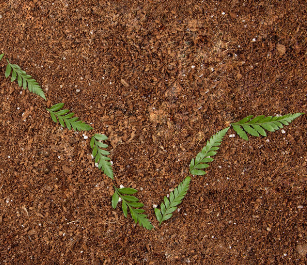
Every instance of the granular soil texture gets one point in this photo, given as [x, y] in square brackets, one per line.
[159, 78]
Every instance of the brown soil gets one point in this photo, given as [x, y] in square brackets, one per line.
[159, 78]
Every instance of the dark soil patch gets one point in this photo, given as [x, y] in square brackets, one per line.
[159, 78]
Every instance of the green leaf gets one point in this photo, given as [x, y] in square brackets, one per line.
[115, 199]
[80, 125]
[175, 198]
[14, 75]
[127, 191]
[158, 215]
[130, 198]
[100, 137]
[106, 166]
[8, 70]
[259, 124]
[196, 172]
[1, 56]
[23, 79]
[205, 155]
[124, 208]
[67, 120]
[133, 204]
[53, 117]
[240, 131]
[100, 155]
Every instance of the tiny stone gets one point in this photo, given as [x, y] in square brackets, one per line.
[232, 135]
[283, 131]
[300, 206]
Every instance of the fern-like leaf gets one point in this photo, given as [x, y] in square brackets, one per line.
[1, 56]
[100, 155]
[170, 204]
[257, 126]
[24, 80]
[132, 203]
[204, 156]
[66, 119]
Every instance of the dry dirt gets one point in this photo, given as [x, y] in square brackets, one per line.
[159, 78]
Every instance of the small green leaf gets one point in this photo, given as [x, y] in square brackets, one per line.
[240, 131]
[1, 56]
[19, 80]
[8, 70]
[196, 172]
[127, 191]
[62, 112]
[95, 150]
[13, 76]
[56, 107]
[92, 142]
[130, 199]
[115, 199]
[100, 137]
[158, 215]
[250, 130]
[136, 204]
[124, 207]
[53, 117]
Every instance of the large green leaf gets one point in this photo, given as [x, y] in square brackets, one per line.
[257, 126]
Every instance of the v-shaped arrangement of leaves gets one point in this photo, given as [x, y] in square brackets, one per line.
[247, 126]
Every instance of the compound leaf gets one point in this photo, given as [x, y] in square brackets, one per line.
[67, 120]
[100, 155]
[169, 205]
[257, 126]
[23, 79]
[133, 204]
[203, 157]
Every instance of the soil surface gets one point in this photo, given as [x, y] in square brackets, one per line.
[159, 78]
